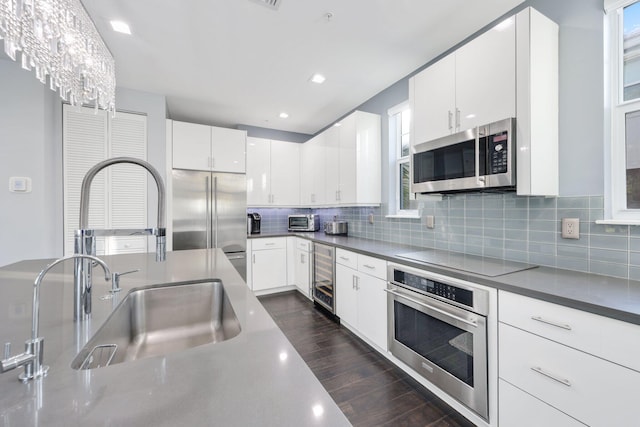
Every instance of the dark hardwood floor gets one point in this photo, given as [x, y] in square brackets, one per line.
[370, 390]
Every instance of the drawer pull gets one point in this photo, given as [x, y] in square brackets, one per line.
[549, 322]
[369, 266]
[344, 258]
[552, 376]
[269, 244]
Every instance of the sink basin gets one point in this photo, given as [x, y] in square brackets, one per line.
[158, 320]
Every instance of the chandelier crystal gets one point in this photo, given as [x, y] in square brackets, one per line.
[57, 38]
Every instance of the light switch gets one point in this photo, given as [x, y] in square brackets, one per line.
[20, 184]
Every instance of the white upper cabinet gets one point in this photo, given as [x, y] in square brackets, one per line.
[475, 85]
[432, 100]
[312, 172]
[201, 147]
[353, 161]
[486, 77]
[273, 168]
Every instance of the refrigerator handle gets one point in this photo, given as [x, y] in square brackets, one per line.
[215, 210]
[208, 213]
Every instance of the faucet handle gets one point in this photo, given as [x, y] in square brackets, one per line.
[115, 280]
[7, 350]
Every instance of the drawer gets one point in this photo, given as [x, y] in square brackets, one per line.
[125, 245]
[304, 245]
[520, 409]
[610, 339]
[346, 258]
[592, 390]
[268, 243]
[372, 266]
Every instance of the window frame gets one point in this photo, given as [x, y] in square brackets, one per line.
[395, 151]
[616, 108]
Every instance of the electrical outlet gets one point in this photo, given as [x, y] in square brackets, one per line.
[370, 218]
[570, 228]
[430, 221]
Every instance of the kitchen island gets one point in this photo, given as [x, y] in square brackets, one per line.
[255, 378]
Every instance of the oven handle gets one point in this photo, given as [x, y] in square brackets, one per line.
[420, 303]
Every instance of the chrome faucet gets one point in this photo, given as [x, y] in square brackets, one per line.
[32, 356]
[85, 242]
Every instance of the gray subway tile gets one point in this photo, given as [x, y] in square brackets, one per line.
[542, 202]
[574, 264]
[516, 245]
[608, 242]
[609, 269]
[573, 202]
[583, 214]
[608, 256]
[573, 251]
[542, 214]
[596, 202]
[542, 236]
[607, 229]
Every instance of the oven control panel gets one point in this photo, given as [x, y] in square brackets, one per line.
[428, 286]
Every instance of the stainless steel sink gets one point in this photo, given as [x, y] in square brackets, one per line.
[159, 320]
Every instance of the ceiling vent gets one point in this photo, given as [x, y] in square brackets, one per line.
[271, 4]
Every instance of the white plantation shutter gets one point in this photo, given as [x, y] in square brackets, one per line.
[118, 193]
[128, 183]
[84, 136]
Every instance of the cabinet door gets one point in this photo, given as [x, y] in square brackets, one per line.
[285, 173]
[347, 160]
[228, 148]
[433, 101]
[487, 93]
[312, 174]
[346, 295]
[302, 271]
[258, 175]
[332, 164]
[372, 309]
[191, 146]
[269, 269]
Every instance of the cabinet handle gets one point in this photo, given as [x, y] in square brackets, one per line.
[552, 376]
[369, 266]
[552, 323]
[269, 244]
[457, 118]
[344, 258]
[301, 258]
[450, 115]
[253, 258]
[353, 282]
[357, 283]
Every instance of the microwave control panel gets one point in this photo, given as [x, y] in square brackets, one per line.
[428, 286]
[498, 153]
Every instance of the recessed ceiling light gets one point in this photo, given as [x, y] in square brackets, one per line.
[317, 78]
[120, 27]
[283, 115]
[337, 124]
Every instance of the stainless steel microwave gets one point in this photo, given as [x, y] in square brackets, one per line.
[475, 159]
[304, 222]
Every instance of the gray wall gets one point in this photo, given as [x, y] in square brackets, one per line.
[31, 225]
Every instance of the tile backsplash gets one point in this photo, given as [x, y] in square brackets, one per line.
[500, 225]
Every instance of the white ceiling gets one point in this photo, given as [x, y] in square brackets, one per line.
[229, 62]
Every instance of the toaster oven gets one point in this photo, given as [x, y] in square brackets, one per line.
[308, 222]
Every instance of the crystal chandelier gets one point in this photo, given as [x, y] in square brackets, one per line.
[57, 38]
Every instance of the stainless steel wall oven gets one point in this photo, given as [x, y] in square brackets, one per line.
[438, 326]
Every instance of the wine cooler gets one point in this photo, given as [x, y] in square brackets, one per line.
[324, 276]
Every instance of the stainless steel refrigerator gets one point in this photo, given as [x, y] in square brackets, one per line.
[210, 211]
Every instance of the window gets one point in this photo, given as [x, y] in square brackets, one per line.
[399, 133]
[622, 191]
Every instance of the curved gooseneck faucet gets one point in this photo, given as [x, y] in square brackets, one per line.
[91, 173]
[32, 357]
[85, 238]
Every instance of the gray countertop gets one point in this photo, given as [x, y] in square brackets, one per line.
[607, 296]
[256, 378]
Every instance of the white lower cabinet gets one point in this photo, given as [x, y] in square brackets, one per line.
[268, 263]
[302, 266]
[361, 302]
[548, 352]
[520, 409]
